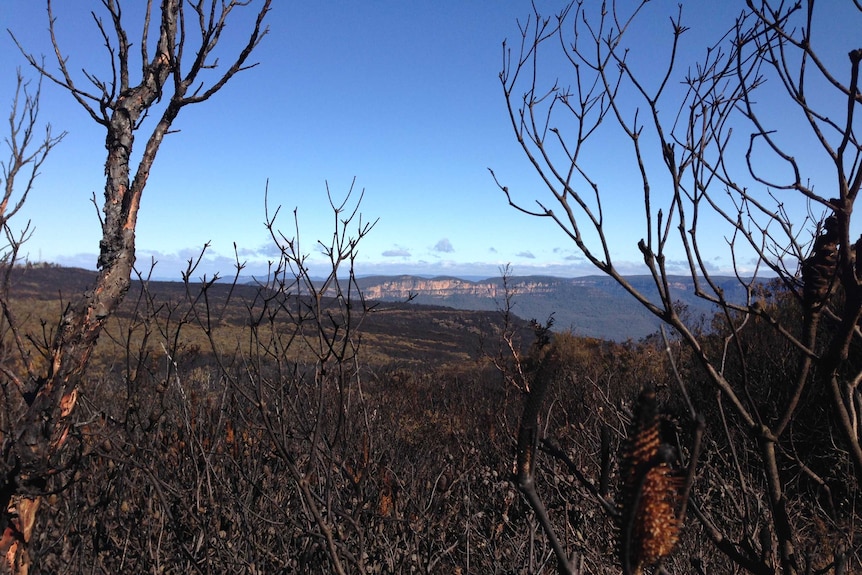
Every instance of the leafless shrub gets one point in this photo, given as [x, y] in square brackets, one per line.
[777, 370]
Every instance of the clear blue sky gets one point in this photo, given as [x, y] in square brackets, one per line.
[403, 96]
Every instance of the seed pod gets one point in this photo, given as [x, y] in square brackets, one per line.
[649, 498]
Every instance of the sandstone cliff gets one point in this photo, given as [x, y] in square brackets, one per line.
[592, 306]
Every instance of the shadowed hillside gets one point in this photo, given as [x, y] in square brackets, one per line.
[394, 331]
[592, 306]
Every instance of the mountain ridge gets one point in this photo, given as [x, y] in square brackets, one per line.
[591, 306]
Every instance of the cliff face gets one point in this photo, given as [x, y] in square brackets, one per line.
[389, 288]
[594, 306]
[403, 287]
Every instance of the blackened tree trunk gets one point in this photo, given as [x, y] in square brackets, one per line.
[36, 450]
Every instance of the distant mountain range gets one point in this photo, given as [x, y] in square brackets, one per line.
[594, 306]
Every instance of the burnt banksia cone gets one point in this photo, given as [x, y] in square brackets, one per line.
[649, 498]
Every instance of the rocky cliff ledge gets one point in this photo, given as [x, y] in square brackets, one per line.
[593, 305]
[403, 287]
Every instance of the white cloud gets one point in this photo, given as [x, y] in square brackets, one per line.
[444, 246]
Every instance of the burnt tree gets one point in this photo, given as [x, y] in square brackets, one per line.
[177, 73]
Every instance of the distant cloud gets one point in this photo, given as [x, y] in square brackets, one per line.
[249, 252]
[170, 266]
[493, 250]
[682, 266]
[164, 266]
[481, 269]
[396, 252]
[444, 246]
[266, 250]
[396, 260]
[568, 254]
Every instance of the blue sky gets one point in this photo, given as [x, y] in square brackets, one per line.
[402, 96]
